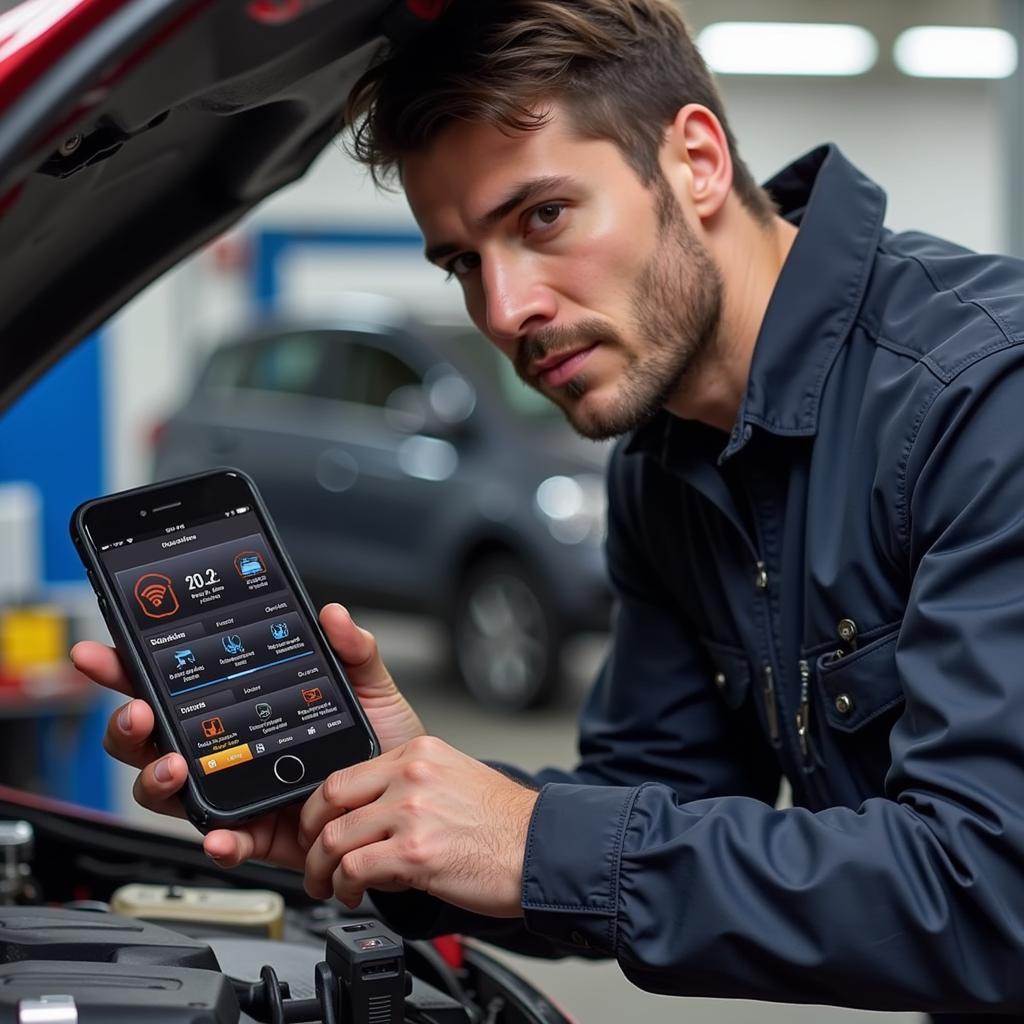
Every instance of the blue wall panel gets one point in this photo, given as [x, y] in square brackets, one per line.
[53, 437]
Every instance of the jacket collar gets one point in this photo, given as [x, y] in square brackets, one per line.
[839, 212]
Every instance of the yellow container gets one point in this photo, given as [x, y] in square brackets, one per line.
[32, 636]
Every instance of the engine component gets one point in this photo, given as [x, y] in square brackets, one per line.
[251, 911]
[368, 961]
[53, 933]
[16, 845]
[92, 993]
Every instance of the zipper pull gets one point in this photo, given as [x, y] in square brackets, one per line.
[803, 716]
[770, 707]
[761, 576]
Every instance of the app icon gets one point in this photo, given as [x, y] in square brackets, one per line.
[311, 730]
[249, 563]
[279, 630]
[312, 695]
[233, 644]
[213, 727]
[185, 657]
[259, 748]
[264, 710]
[156, 596]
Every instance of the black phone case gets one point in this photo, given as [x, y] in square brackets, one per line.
[202, 814]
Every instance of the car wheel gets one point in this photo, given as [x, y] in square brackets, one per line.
[506, 640]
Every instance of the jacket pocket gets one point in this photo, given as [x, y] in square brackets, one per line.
[856, 698]
[731, 671]
[860, 687]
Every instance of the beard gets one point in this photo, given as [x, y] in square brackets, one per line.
[675, 309]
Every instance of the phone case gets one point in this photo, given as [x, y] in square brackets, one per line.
[200, 812]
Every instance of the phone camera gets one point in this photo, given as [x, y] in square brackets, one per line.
[143, 512]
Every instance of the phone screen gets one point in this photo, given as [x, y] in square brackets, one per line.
[237, 664]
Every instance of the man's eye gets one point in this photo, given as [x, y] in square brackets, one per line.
[548, 213]
[464, 263]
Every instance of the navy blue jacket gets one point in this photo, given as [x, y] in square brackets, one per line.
[834, 593]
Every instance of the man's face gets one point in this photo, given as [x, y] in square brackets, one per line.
[591, 283]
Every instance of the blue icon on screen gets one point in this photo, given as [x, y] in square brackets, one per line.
[279, 630]
[233, 644]
[183, 658]
[249, 563]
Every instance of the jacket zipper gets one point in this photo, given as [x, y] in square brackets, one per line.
[771, 709]
[803, 715]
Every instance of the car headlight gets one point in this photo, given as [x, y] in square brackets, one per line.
[573, 507]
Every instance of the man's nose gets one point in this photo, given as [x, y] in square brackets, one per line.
[516, 300]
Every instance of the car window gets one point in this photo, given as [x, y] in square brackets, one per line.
[294, 364]
[374, 374]
[227, 367]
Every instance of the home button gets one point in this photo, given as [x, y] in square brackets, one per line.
[289, 769]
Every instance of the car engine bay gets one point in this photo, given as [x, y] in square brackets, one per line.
[102, 923]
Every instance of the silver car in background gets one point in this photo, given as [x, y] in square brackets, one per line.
[408, 468]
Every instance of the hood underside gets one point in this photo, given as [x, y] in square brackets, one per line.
[144, 130]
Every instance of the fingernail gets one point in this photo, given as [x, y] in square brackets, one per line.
[162, 770]
[124, 718]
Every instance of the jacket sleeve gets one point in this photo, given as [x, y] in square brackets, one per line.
[653, 714]
[915, 900]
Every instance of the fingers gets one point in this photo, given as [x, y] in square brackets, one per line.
[390, 714]
[272, 838]
[377, 866]
[343, 791]
[351, 831]
[129, 735]
[357, 649]
[157, 785]
[101, 664]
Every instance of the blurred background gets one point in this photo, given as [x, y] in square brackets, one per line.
[493, 623]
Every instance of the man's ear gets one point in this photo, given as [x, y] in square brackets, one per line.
[695, 160]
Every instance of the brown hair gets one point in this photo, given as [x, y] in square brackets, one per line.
[623, 68]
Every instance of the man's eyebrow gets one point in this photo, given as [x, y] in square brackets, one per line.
[519, 194]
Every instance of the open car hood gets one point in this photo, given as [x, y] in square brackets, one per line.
[134, 131]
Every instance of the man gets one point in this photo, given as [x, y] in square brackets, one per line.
[815, 536]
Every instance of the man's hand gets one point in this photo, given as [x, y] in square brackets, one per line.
[424, 816]
[274, 837]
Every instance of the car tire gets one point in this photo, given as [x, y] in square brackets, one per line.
[506, 639]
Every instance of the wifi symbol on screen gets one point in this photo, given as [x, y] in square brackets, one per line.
[156, 596]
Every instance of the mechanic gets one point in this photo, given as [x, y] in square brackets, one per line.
[816, 539]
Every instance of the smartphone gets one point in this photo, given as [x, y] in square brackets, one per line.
[218, 635]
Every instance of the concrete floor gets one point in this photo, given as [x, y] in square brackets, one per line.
[592, 993]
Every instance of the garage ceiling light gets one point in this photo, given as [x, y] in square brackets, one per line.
[787, 48]
[946, 51]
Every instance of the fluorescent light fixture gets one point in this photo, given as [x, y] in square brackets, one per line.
[787, 48]
[952, 51]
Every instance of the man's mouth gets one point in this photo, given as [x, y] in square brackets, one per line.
[559, 369]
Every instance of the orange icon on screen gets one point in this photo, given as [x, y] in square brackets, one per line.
[156, 596]
[226, 759]
[213, 727]
[312, 695]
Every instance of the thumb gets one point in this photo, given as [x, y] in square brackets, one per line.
[357, 649]
[390, 714]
